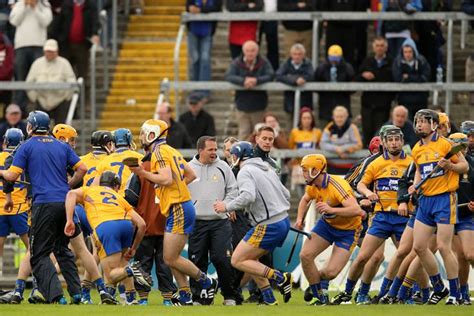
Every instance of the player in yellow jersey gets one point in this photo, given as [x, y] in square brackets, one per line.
[112, 219]
[437, 204]
[171, 174]
[340, 223]
[102, 143]
[14, 205]
[390, 220]
[123, 149]
[65, 133]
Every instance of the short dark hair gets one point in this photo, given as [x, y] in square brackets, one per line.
[201, 142]
[265, 128]
[379, 38]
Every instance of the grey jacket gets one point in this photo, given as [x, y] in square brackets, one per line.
[261, 193]
[214, 182]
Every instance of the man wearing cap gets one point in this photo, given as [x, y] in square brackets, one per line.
[335, 69]
[12, 120]
[197, 121]
[51, 68]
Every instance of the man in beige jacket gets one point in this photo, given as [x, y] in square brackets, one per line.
[51, 68]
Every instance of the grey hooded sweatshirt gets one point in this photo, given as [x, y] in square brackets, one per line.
[261, 193]
[214, 181]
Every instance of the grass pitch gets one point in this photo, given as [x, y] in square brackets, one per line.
[295, 307]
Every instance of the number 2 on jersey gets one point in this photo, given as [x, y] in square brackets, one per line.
[109, 198]
[179, 166]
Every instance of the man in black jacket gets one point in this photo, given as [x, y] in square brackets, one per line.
[296, 71]
[178, 137]
[335, 69]
[298, 31]
[375, 105]
[249, 70]
[76, 30]
[197, 121]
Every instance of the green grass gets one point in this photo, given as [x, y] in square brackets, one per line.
[296, 307]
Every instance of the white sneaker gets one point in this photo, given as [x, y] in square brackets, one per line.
[229, 303]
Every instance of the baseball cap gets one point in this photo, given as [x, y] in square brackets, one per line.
[195, 97]
[51, 45]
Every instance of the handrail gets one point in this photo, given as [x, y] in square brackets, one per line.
[177, 48]
[163, 96]
[92, 79]
[324, 16]
[73, 104]
[105, 52]
[114, 28]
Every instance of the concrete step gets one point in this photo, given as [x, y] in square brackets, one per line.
[154, 27]
[163, 10]
[152, 53]
[165, 2]
[151, 45]
[152, 34]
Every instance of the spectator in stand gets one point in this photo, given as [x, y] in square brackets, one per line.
[305, 136]
[200, 40]
[31, 19]
[6, 67]
[12, 120]
[341, 136]
[468, 8]
[335, 69]
[344, 33]
[56, 6]
[396, 32]
[399, 118]
[51, 68]
[430, 37]
[411, 67]
[242, 31]
[281, 138]
[197, 121]
[296, 71]
[249, 70]
[375, 105]
[298, 31]
[178, 137]
[270, 29]
[5, 9]
[77, 31]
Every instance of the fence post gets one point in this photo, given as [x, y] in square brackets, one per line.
[297, 107]
[315, 48]
[114, 28]
[177, 48]
[449, 66]
[82, 113]
[92, 80]
[105, 51]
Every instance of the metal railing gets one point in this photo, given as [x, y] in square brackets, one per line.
[76, 86]
[317, 17]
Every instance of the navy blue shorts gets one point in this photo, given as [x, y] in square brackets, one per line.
[346, 239]
[437, 209]
[113, 236]
[181, 218]
[80, 213]
[411, 221]
[17, 223]
[268, 236]
[465, 223]
[386, 224]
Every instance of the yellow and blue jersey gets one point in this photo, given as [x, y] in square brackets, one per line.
[46, 161]
[303, 139]
[114, 163]
[426, 157]
[103, 204]
[19, 194]
[334, 191]
[166, 156]
[384, 173]
[92, 160]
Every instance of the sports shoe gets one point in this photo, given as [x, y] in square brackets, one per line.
[134, 302]
[107, 299]
[375, 300]
[140, 276]
[362, 299]
[36, 297]
[417, 298]
[167, 303]
[436, 297]
[254, 297]
[452, 301]
[465, 301]
[308, 295]
[275, 303]
[286, 286]
[86, 301]
[62, 301]
[388, 300]
[317, 302]
[76, 299]
[175, 301]
[229, 302]
[13, 298]
[207, 295]
[342, 298]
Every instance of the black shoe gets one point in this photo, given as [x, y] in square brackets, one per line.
[175, 300]
[342, 298]
[207, 295]
[388, 300]
[254, 297]
[16, 298]
[452, 301]
[141, 276]
[6, 297]
[107, 299]
[418, 298]
[465, 301]
[286, 286]
[375, 300]
[308, 295]
[436, 297]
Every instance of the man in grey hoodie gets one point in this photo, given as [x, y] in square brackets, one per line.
[267, 202]
[212, 234]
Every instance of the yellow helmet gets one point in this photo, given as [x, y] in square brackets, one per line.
[158, 128]
[314, 161]
[64, 132]
[458, 138]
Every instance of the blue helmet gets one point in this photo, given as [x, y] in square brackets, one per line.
[122, 137]
[242, 151]
[39, 121]
[13, 137]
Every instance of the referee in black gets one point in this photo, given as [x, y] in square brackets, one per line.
[46, 160]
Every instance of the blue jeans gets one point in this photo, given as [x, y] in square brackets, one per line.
[199, 51]
[24, 57]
